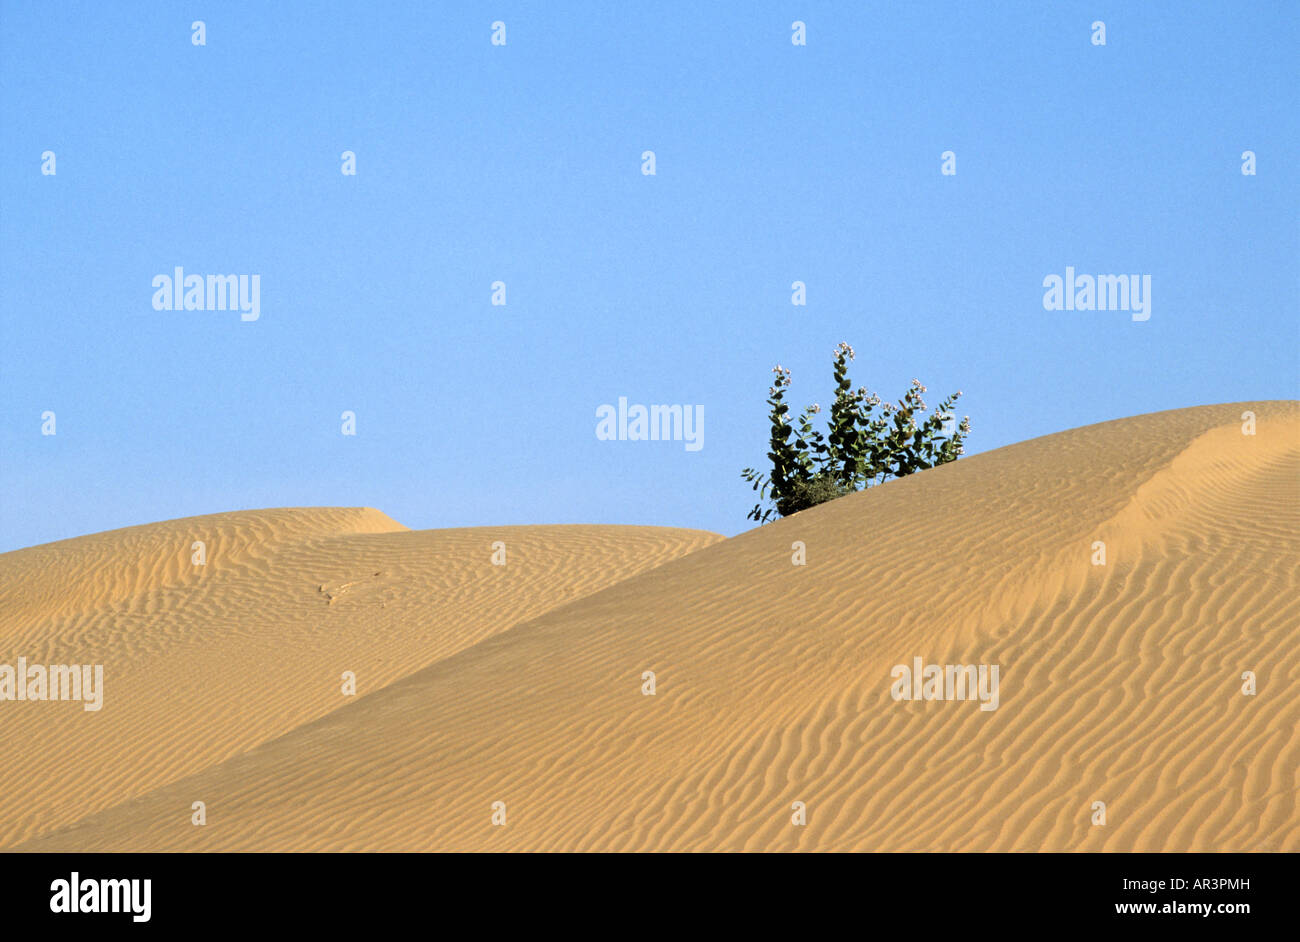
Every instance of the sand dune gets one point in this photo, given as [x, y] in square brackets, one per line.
[1119, 683]
[203, 662]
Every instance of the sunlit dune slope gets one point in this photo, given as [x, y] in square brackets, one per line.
[203, 662]
[1119, 683]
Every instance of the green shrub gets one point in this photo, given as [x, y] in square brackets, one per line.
[863, 447]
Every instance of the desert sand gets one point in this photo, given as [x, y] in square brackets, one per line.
[518, 690]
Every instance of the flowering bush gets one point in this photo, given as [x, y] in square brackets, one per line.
[864, 447]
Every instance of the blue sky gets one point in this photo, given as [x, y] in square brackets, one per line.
[522, 163]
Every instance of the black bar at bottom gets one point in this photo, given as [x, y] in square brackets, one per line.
[640, 893]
